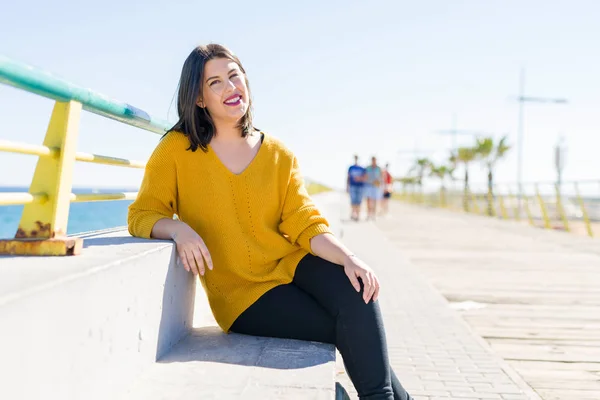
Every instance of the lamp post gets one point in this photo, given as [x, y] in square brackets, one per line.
[522, 100]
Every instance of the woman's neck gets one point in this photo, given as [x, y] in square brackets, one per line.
[227, 132]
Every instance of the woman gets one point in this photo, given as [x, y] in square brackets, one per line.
[388, 189]
[373, 187]
[246, 225]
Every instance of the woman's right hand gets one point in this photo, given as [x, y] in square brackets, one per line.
[191, 249]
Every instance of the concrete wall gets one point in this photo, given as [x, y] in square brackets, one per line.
[81, 327]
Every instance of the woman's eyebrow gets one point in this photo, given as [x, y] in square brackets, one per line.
[215, 77]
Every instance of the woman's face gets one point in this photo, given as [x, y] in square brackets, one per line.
[224, 90]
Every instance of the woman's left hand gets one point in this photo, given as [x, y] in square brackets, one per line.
[356, 268]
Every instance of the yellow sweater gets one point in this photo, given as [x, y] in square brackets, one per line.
[257, 225]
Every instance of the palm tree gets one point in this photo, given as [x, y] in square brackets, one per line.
[441, 172]
[407, 181]
[489, 154]
[464, 156]
[420, 167]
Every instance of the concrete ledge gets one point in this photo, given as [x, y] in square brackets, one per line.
[86, 327]
[83, 327]
[209, 364]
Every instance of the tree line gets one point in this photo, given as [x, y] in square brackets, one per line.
[486, 152]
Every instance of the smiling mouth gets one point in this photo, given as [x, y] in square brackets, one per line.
[234, 100]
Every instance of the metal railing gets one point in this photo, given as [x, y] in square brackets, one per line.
[43, 225]
[571, 206]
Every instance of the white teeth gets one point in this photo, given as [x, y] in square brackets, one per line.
[234, 100]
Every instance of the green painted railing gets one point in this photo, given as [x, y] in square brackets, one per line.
[43, 83]
[43, 226]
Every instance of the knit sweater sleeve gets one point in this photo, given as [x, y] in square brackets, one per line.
[300, 219]
[157, 197]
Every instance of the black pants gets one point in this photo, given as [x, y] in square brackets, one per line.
[321, 305]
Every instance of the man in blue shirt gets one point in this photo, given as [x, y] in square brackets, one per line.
[354, 187]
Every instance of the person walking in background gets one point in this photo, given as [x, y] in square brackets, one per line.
[373, 187]
[388, 188]
[354, 187]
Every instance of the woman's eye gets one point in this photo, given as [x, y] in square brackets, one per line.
[213, 82]
[233, 76]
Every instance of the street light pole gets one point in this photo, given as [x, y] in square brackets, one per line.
[522, 100]
[520, 139]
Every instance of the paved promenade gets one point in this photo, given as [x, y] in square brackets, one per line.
[433, 351]
[532, 295]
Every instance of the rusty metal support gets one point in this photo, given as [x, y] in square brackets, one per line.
[43, 226]
[59, 246]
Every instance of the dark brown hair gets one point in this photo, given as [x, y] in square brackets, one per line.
[194, 121]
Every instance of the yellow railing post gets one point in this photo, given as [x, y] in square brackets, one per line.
[561, 209]
[503, 212]
[527, 210]
[481, 199]
[543, 208]
[43, 226]
[586, 218]
[515, 205]
[491, 206]
[471, 198]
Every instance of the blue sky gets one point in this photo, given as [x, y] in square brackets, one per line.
[330, 78]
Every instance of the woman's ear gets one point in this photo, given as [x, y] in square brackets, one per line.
[200, 103]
